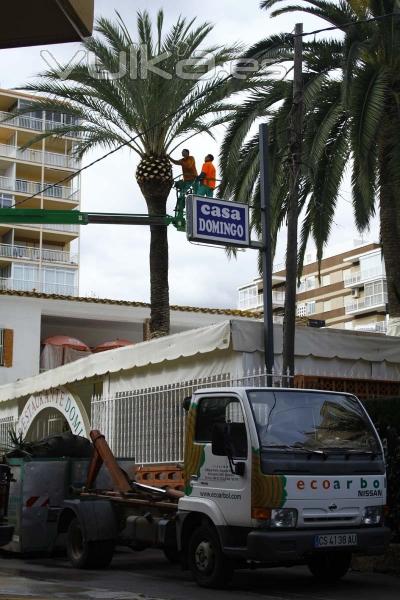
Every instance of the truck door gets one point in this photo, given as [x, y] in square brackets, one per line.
[209, 476]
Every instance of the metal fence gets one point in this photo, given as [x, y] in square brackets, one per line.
[7, 424]
[148, 425]
[1, 347]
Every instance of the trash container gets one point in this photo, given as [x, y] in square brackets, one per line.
[6, 530]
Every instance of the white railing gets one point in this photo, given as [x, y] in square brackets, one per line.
[24, 121]
[34, 187]
[7, 424]
[28, 122]
[30, 253]
[53, 125]
[149, 424]
[364, 276]
[253, 302]
[20, 285]
[369, 302]
[54, 159]
[53, 227]
[379, 327]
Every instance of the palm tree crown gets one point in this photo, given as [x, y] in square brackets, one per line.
[149, 92]
[351, 114]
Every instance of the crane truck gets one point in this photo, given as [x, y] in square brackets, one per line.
[271, 477]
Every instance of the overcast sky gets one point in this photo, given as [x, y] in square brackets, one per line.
[114, 259]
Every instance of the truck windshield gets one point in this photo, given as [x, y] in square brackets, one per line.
[311, 421]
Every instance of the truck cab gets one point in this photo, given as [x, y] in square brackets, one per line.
[280, 477]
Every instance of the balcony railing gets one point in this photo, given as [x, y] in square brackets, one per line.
[257, 302]
[28, 122]
[364, 276]
[34, 187]
[36, 254]
[20, 285]
[54, 159]
[379, 327]
[369, 302]
[23, 121]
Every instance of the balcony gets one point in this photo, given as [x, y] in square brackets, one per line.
[13, 251]
[379, 327]
[20, 285]
[359, 279]
[256, 302]
[34, 187]
[53, 159]
[33, 123]
[377, 302]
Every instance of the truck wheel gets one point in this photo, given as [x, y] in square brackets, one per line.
[330, 566]
[209, 567]
[87, 555]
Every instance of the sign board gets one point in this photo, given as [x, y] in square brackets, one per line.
[316, 323]
[63, 402]
[217, 222]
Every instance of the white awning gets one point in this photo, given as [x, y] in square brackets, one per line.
[188, 343]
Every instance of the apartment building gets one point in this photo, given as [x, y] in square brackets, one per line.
[348, 292]
[41, 258]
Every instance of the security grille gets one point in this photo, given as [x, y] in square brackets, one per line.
[148, 425]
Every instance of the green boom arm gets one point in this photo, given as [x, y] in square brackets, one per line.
[71, 217]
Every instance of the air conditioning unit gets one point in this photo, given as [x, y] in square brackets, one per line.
[355, 293]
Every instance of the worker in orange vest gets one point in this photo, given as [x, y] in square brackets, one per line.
[189, 171]
[207, 178]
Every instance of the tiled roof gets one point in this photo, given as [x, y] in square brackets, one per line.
[191, 309]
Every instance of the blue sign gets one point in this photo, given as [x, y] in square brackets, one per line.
[217, 222]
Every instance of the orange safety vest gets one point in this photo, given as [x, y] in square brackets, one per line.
[211, 173]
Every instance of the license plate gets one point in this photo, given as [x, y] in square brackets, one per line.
[334, 540]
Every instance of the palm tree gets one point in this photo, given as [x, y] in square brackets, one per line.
[127, 99]
[352, 114]
[322, 165]
[367, 103]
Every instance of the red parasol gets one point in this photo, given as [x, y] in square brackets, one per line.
[112, 345]
[66, 342]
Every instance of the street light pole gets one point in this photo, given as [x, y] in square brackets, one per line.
[266, 253]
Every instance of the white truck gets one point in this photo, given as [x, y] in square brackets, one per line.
[272, 477]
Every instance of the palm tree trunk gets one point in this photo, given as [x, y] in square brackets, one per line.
[159, 264]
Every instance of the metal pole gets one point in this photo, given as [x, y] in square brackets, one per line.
[266, 253]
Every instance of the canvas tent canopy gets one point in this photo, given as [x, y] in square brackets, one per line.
[231, 346]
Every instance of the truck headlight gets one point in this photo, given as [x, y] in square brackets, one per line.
[372, 515]
[283, 518]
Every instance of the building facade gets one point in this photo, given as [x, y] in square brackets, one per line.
[42, 258]
[28, 318]
[348, 291]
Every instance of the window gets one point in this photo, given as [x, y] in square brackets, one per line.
[220, 410]
[58, 281]
[301, 310]
[372, 266]
[248, 298]
[306, 284]
[6, 347]
[6, 201]
[311, 420]
[311, 308]
[326, 280]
